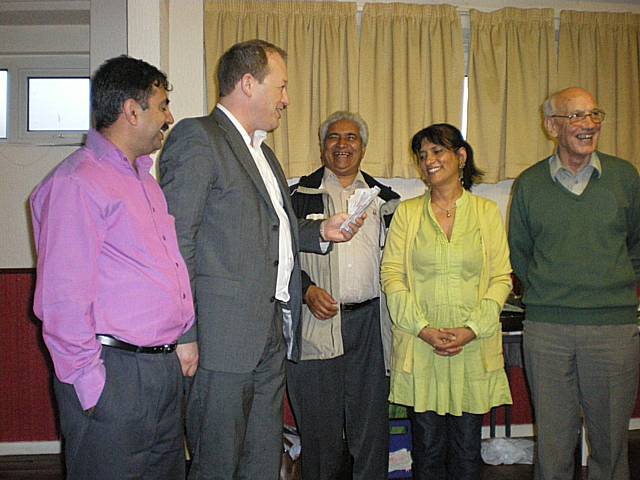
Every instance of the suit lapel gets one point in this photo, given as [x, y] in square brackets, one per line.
[239, 148]
[242, 154]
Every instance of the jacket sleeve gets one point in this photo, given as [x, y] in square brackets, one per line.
[484, 319]
[186, 173]
[404, 309]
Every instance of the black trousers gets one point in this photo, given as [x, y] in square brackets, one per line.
[136, 429]
[340, 404]
[446, 447]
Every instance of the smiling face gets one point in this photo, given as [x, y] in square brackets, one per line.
[154, 121]
[440, 165]
[576, 142]
[270, 96]
[342, 150]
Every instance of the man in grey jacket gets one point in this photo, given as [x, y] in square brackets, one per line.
[339, 389]
[240, 239]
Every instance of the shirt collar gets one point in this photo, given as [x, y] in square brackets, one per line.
[106, 150]
[358, 182]
[555, 165]
[258, 135]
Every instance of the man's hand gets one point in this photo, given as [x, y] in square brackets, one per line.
[322, 305]
[331, 231]
[188, 356]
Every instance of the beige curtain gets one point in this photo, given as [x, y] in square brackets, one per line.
[321, 41]
[411, 75]
[601, 52]
[511, 71]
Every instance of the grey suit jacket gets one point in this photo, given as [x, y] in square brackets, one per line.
[228, 235]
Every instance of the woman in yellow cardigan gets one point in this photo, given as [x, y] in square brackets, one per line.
[446, 274]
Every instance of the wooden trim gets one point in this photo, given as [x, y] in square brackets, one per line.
[13, 271]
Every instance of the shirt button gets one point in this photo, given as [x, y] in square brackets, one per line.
[274, 227]
[275, 263]
[184, 295]
[272, 299]
[177, 265]
[164, 238]
[153, 209]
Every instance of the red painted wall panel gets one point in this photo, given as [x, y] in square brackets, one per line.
[26, 399]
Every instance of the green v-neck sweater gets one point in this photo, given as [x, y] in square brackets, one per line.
[578, 256]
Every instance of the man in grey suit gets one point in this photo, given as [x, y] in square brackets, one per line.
[240, 239]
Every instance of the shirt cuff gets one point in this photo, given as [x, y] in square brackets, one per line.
[472, 325]
[420, 326]
[89, 387]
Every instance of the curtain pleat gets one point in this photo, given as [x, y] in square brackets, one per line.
[322, 59]
[411, 75]
[512, 70]
[601, 52]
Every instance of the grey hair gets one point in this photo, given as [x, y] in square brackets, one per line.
[344, 115]
[549, 107]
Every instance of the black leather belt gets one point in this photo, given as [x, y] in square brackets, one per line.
[354, 306]
[109, 341]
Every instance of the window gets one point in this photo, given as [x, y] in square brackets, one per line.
[46, 98]
[3, 104]
[465, 107]
[58, 104]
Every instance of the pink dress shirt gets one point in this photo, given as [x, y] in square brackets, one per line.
[108, 262]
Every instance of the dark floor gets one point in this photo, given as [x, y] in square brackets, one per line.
[49, 467]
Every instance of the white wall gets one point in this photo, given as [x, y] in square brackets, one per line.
[167, 33]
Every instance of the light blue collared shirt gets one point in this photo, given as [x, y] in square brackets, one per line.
[577, 183]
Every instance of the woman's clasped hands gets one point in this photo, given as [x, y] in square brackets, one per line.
[447, 342]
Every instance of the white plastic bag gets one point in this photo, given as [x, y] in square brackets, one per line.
[507, 451]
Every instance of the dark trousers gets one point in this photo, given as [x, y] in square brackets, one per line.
[136, 429]
[234, 420]
[446, 447]
[341, 405]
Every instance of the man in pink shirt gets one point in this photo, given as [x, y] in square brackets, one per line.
[112, 290]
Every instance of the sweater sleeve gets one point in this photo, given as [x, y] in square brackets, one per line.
[405, 311]
[520, 241]
[633, 225]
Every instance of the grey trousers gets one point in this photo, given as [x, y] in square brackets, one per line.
[340, 404]
[234, 420]
[579, 367]
[136, 429]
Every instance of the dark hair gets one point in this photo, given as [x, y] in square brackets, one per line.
[449, 137]
[242, 58]
[119, 79]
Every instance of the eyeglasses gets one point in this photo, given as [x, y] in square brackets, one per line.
[597, 116]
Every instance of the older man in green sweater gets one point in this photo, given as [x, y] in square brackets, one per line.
[574, 234]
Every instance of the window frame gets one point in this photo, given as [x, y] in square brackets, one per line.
[19, 70]
[6, 113]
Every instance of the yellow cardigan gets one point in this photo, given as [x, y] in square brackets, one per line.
[397, 280]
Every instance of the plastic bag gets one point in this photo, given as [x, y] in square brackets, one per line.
[507, 451]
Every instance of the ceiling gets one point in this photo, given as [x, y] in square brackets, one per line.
[44, 12]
